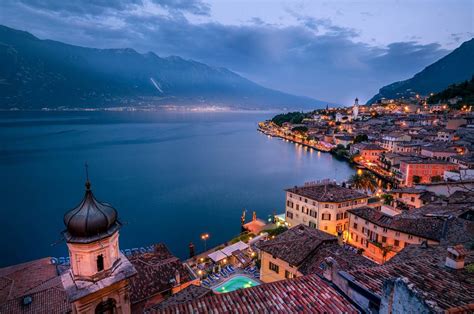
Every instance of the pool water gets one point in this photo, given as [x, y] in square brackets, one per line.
[234, 283]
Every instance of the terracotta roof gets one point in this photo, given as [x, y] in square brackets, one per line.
[51, 300]
[189, 293]
[347, 258]
[407, 190]
[38, 280]
[155, 273]
[426, 227]
[306, 294]
[296, 244]
[445, 288]
[327, 193]
[369, 146]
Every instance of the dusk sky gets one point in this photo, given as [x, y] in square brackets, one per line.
[329, 50]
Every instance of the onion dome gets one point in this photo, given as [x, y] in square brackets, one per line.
[91, 220]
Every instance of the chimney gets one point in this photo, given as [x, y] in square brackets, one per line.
[455, 257]
[254, 216]
[340, 239]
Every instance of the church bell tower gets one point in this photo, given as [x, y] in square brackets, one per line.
[98, 280]
[355, 109]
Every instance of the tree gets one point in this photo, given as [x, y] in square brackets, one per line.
[416, 179]
[436, 179]
[361, 138]
[388, 199]
[365, 181]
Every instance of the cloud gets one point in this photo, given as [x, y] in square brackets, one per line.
[98, 7]
[311, 57]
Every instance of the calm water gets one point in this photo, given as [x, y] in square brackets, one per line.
[171, 176]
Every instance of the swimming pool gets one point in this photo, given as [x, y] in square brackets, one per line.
[234, 283]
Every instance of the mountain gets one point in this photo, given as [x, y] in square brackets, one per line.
[456, 67]
[38, 73]
[464, 90]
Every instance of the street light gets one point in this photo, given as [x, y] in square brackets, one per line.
[204, 237]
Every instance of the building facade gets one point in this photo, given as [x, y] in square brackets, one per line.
[381, 236]
[322, 206]
[423, 171]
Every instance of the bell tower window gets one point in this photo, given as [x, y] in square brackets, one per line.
[100, 262]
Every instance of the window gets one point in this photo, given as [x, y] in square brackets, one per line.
[289, 214]
[289, 275]
[326, 205]
[339, 216]
[397, 234]
[346, 215]
[355, 217]
[306, 200]
[100, 262]
[396, 243]
[385, 230]
[273, 267]
[312, 224]
[313, 213]
[367, 222]
[384, 239]
[375, 227]
[325, 227]
[410, 236]
[412, 199]
[355, 226]
[326, 217]
[297, 207]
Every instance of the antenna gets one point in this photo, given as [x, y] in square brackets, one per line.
[88, 184]
[87, 171]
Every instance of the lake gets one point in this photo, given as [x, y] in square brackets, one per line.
[170, 175]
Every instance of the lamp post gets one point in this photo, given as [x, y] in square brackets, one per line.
[204, 237]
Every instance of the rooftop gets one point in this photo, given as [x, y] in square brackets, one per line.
[307, 248]
[188, 294]
[424, 269]
[37, 280]
[426, 227]
[330, 192]
[156, 272]
[303, 294]
[295, 244]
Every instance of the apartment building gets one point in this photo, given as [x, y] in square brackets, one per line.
[322, 205]
[300, 251]
[381, 236]
[423, 171]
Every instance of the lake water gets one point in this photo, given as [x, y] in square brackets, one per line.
[171, 176]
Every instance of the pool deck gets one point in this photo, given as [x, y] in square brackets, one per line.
[238, 272]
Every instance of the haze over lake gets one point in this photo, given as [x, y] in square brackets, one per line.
[171, 176]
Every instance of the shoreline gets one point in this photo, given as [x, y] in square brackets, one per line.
[323, 149]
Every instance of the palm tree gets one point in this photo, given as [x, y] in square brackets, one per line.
[365, 181]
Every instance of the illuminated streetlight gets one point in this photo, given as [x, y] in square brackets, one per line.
[204, 237]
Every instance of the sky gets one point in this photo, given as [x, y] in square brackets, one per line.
[328, 50]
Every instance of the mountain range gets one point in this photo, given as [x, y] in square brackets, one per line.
[37, 73]
[455, 67]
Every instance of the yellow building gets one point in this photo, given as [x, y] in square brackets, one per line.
[381, 236]
[300, 251]
[322, 205]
